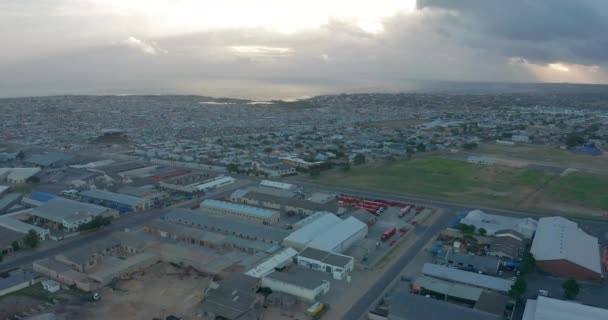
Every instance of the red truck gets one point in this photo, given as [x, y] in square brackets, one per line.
[388, 233]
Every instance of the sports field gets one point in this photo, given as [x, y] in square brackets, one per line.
[580, 189]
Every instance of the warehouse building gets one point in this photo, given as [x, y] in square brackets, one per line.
[466, 277]
[7, 238]
[289, 205]
[308, 228]
[494, 223]
[561, 248]
[241, 211]
[407, 306]
[278, 185]
[49, 159]
[192, 183]
[229, 303]
[341, 236]
[22, 227]
[16, 280]
[116, 201]
[484, 264]
[305, 284]
[17, 175]
[508, 244]
[60, 213]
[338, 265]
[473, 297]
[545, 308]
[226, 225]
[276, 262]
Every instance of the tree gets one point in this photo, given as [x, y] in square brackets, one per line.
[528, 263]
[466, 228]
[1, 256]
[482, 231]
[315, 170]
[421, 147]
[15, 245]
[96, 223]
[20, 155]
[518, 288]
[574, 139]
[31, 239]
[33, 179]
[359, 159]
[469, 146]
[232, 167]
[268, 150]
[571, 288]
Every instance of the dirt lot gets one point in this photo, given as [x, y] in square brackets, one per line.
[160, 291]
[14, 304]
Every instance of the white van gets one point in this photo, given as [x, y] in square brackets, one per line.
[543, 293]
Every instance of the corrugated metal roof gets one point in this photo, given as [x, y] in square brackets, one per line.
[308, 232]
[113, 197]
[254, 211]
[60, 209]
[340, 232]
[278, 185]
[475, 279]
[278, 260]
[225, 224]
[409, 306]
[451, 289]
[553, 309]
[558, 238]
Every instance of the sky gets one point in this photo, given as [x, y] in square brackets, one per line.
[267, 49]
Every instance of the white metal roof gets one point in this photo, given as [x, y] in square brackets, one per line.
[340, 232]
[20, 226]
[308, 232]
[236, 207]
[553, 309]
[278, 185]
[466, 277]
[218, 181]
[278, 260]
[559, 238]
[493, 223]
[3, 188]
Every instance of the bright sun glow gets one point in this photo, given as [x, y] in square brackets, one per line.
[559, 67]
[172, 16]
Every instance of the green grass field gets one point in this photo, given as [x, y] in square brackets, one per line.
[580, 189]
[446, 179]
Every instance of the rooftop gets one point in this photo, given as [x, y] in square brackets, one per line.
[7, 236]
[545, 308]
[309, 231]
[278, 185]
[559, 238]
[301, 277]
[449, 288]
[60, 209]
[112, 197]
[225, 224]
[49, 158]
[466, 277]
[299, 203]
[16, 277]
[250, 210]
[494, 223]
[406, 306]
[326, 257]
[276, 261]
[339, 233]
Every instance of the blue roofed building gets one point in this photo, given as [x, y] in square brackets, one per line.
[589, 149]
[251, 213]
[117, 201]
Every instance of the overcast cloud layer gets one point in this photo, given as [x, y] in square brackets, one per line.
[274, 50]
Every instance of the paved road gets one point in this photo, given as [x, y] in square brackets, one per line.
[373, 294]
[128, 221]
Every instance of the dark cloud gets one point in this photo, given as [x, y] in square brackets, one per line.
[540, 30]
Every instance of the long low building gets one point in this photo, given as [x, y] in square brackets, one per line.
[17, 175]
[277, 261]
[545, 308]
[290, 205]
[197, 186]
[117, 201]
[484, 264]
[407, 306]
[241, 211]
[466, 277]
[68, 214]
[306, 284]
[338, 265]
[227, 225]
[309, 228]
[22, 227]
[561, 248]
